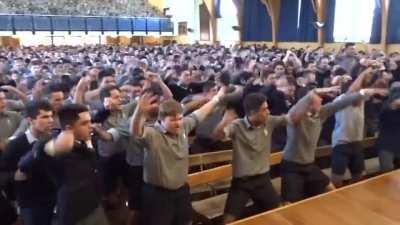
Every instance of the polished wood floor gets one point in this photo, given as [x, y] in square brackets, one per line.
[375, 201]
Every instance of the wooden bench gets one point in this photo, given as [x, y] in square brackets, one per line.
[213, 207]
[374, 201]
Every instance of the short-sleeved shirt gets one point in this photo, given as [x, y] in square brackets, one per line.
[134, 151]
[9, 123]
[252, 145]
[166, 156]
[349, 125]
[106, 148]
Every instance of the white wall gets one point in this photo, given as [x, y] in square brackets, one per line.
[185, 11]
[353, 20]
[226, 35]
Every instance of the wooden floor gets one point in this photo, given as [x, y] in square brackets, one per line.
[371, 202]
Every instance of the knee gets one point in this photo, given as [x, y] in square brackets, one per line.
[228, 218]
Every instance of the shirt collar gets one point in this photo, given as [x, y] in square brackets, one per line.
[30, 137]
[247, 123]
[160, 127]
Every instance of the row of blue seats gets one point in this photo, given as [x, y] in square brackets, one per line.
[81, 23]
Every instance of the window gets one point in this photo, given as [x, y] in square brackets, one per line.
[353, 20]
[226, 35]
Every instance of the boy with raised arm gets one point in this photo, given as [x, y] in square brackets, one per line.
[165, 194]
[301, 177]
[251, 138]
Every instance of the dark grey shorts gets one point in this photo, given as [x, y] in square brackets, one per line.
[257, 188]
[301, 181]
[348, 156]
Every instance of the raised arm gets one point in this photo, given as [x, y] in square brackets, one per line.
[361, 80]
[81, 88]
[207, 108]
[22, 96]
[64, 143]
[145, 104]
[219, 132]
[193, 105]
[101, 133]
[332, 107]
[302, 107]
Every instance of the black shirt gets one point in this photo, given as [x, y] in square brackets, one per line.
[76, 175]
[389, 128]
[38, 189]
[179, 92]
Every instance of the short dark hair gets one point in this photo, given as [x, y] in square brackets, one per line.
[225, 78]
[154, 89]
[169, 108]
[106, 72]
[69, 114]
[56, 87]
[252, 102]
[137, 72]
[349, 44]
[32, 108]
[106, 92]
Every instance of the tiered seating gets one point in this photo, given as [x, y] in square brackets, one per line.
[35, 23]
[81, 7]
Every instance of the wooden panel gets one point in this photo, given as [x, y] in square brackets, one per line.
[370, 202]
[210, 175]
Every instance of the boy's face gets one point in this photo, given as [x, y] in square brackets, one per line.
[115, 99]
[82, 128]
[56, 100]
[43, 122]
[261, 116]
[173, 124]
[279, 70]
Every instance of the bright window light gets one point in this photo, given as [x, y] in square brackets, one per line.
[226, 35]
[353, 20]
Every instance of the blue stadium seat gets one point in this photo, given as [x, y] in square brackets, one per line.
[77, 23]
[139, 24]
[42, 23]
[153, 24]
[125, 24]
[93, 23]
[166, 25]
[23, 23]
[109, 24]
[6, 23]
[60, 23]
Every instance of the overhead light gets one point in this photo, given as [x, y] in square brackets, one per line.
[319, 25]
[236, 28]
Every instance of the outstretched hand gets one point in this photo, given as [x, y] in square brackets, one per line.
[335, 90]
[147, 103]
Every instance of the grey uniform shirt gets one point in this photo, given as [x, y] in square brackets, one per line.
[134, 151]
[121, 134]
[109, 148]
[252, 145]
[349, 124]
[302, 138]
[9, 123]
[166, 156]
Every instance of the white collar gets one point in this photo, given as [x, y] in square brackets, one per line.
[30, 136]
